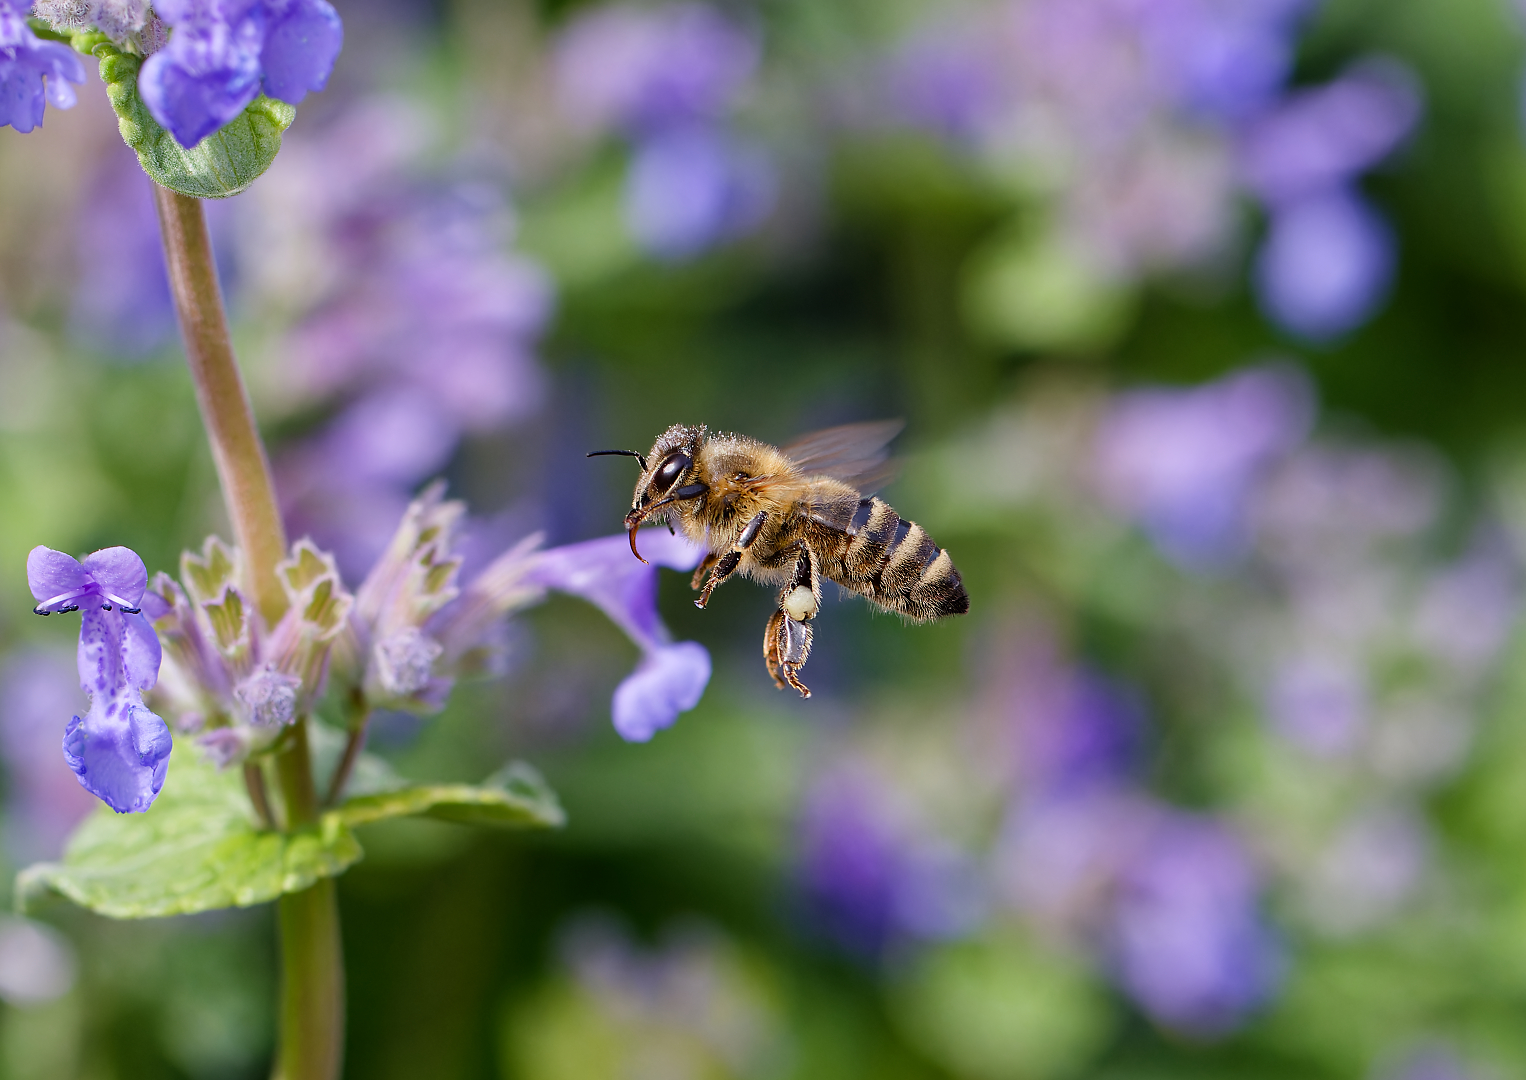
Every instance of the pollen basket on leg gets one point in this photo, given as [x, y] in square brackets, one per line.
[800, 604]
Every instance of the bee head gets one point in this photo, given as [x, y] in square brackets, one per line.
[669, 476]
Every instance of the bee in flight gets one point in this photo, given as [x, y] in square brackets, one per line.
[791, 517]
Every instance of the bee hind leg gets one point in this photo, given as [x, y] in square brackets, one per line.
[786, 648]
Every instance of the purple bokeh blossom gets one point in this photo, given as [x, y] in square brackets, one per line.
[223, 53]
[644, 69]
[667, 79]
[120, 749]
[692, 188]
[1328, 257]
[1325, 137]
[424, 336]
[1135, 125]
[1182, 462]
[1189, 943]
[1222, 60]
[33, 72]
[870, 875]
[1327, 263]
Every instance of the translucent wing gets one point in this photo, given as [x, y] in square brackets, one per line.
[856, 454]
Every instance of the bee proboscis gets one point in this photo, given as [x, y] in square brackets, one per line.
[793, 517]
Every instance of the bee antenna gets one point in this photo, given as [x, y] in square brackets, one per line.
[621, 453]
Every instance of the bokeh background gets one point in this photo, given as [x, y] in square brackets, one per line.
[1208, 322]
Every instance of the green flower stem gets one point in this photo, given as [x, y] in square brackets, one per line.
[312, 966]
[312, 985]
[357, 715]
[242, 467]
[254, 783]
[312, 969]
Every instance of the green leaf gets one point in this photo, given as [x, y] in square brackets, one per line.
[515, 796]
[197, 848]
[224, 163]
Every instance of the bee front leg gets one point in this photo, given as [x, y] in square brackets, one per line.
[724, 566]
[702, 569]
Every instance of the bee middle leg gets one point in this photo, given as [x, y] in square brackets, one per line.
[723, 566]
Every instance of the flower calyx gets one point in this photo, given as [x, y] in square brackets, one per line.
[235, 682]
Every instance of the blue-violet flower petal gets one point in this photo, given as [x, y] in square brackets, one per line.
[32, 71]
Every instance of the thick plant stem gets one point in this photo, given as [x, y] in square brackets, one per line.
[312, 969]
[312, 966]
[312, 985]
[242, 466]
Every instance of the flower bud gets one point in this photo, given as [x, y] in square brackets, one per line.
[269, 698]
[404, 662]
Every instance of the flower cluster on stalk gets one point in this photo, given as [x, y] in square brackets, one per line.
[401, 641]
[205, 60]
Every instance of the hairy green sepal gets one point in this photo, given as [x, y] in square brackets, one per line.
[199, 846]
[224, 163]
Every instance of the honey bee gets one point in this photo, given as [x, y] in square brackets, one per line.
[792, 516]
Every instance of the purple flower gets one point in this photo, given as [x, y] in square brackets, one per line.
[1325, 266]
[669, 680]
[946, 81]
[647, 68]
[120, 750]
[1187, 940]
[1181, 462]
[690, 188]
[1324, 138]
[32, 71]
[671, 677]
[1319, 703]
[870, 872]
[414, 631]
[850, 854]
[1224, 60]
[223, 52]
[1079, 729]
[1060, 854]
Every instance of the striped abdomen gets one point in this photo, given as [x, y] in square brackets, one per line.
[894, 563]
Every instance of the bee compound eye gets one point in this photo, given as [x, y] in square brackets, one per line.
[674, 467]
